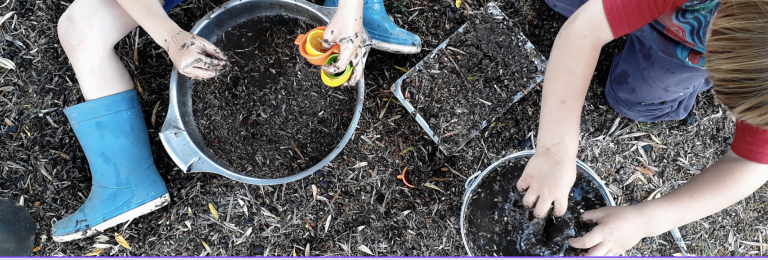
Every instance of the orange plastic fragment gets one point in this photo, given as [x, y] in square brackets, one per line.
[405, 180]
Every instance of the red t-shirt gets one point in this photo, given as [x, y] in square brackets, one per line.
[750, 142]
[625, 16]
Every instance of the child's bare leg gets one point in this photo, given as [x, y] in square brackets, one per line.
[88, 32]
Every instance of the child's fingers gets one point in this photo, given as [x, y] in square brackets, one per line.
[593, 215]
[599, 250]
[329, 39]
[523, 184]
[542, 207]
[357, 74]
[214, 52]
[200, 73]
[561, 206]
[341, 63]
[587, 241]
[530, 199]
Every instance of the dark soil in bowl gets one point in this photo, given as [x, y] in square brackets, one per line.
[471, 81]
[269, 115]
[499, 225]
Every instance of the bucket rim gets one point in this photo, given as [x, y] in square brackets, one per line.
[473, 180]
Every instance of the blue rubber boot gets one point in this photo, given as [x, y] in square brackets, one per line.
[126, 183]
[386, 35]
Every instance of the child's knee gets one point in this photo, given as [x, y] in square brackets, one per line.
[69, 29]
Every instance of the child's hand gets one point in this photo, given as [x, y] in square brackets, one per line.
[346, 29]
[618, 230]
[547, 180]
[194, 56]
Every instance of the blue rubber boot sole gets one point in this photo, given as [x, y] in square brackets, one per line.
[126, 183]
[386, 35]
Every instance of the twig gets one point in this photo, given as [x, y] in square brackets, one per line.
[457, 66]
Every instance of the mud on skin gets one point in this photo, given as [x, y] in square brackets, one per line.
[269, 115]
[498, 224]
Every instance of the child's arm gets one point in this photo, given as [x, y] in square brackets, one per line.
[346, 29]
[729, 180]
[192, 55]
[551, 172]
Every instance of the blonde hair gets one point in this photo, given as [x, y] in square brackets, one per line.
[737, 59]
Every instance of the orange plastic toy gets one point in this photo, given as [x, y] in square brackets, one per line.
[315, 59]
[404, 178]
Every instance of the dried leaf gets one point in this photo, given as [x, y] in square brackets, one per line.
[8, 122]
[364, 249]
[644, 170]
[432, 186]
[632, 135]
[213, 211]
[458, 3]
[306, 250]
[6, 63]
[753, 243]
[327, 223]
[314, 191]
[189, 224]
[37, 248]
[360, 165]
[6, 16]
[207, 248]
[101, 238]
[655, 139]
[120, 240]
[245, 207]
[404, 70]
[294, 251]
[97, 252]
[632, 178]
[407, 150]
[154, 113]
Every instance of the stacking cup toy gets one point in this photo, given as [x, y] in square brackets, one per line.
[312, 49]
[330, 79]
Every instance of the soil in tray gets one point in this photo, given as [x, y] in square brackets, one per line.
[269, 115]
[498, 224]
[472, 81]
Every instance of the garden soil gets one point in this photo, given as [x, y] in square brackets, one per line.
[361, 208]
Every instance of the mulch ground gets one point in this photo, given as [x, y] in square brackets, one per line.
[361, 207]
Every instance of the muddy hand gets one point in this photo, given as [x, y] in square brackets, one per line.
[346, 29]
[546, 181]
[194, 56]
[618, 230]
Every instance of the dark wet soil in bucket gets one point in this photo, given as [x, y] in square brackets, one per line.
[499, 225]
[269, 115]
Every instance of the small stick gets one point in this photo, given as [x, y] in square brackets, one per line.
[457, 66]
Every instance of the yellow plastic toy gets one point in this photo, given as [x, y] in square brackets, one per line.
[315, 43]
[335, 81]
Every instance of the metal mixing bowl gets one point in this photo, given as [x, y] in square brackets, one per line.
[180, 135]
